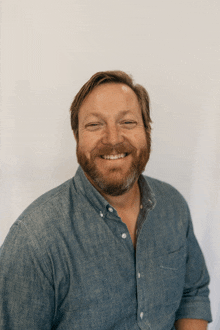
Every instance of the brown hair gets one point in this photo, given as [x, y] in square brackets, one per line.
[104, 77]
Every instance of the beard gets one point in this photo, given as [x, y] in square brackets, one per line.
[114, 184]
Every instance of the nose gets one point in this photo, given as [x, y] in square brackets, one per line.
[112, 135]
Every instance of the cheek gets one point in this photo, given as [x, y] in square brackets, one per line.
[139, 139]
[87, 142]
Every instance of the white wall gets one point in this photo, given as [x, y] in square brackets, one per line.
[49, 48]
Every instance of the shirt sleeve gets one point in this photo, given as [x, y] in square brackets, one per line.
[195, 302]
[26, 290]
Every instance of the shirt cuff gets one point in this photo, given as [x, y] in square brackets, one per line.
[196, 308]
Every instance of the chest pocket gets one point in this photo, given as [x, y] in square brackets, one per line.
[171, 270]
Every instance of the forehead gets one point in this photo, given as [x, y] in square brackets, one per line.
[110, 97]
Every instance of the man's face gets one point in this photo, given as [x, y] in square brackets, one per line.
[112, 146]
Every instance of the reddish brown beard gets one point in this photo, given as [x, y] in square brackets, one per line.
[100, 181]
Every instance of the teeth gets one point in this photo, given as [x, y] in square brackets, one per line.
[114, 156]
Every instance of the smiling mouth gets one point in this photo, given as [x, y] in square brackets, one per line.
[114, 157]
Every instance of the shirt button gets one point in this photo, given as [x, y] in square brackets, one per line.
[139, 275]
[101, 214]
[141, 315]
[124, 235]
[110, 209]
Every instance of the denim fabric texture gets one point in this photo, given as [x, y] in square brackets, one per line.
[68, 262]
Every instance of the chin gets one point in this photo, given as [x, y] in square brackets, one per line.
[116, 184]
[113, 181]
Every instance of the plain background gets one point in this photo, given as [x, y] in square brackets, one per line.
[50, 48]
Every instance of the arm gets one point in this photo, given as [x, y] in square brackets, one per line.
[191, 324]
[26, 290]
[194, 309]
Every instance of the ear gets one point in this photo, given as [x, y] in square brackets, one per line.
[75, 136]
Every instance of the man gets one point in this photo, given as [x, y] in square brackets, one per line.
[110, 248]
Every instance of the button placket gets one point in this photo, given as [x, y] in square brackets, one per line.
[141, 298]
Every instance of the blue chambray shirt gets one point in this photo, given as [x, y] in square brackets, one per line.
[68, 262]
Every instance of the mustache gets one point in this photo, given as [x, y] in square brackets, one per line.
[121, 148]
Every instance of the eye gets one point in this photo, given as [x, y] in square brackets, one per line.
[128, 124]
[93, 126]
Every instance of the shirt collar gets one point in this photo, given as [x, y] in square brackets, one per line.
[90, 192]
[99, 202]
[148, 199]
